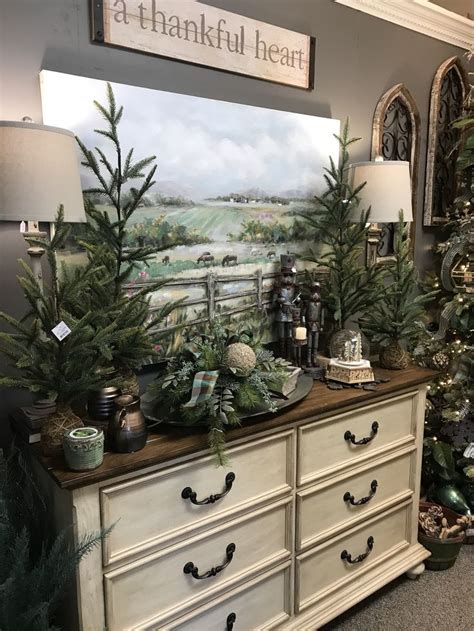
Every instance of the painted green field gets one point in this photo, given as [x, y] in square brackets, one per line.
[212, 221]
[216, 219]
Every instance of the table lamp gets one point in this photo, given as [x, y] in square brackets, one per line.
[387, 191]
[39, 170]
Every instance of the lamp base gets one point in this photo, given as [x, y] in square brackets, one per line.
[35, 252]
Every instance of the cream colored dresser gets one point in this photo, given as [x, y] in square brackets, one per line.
[317, 510]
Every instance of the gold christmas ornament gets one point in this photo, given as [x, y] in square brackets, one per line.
[440, 361]
[240, 358]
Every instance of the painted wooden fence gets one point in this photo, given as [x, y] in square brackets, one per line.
[259, 295]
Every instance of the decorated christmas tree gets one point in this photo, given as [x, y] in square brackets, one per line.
[341, 227]
[449, 348]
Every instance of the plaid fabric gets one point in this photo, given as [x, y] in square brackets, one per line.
[203, 387]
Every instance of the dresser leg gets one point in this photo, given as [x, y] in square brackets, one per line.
[416, 571]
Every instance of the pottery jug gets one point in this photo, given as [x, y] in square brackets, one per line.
[127, 429]
[100, 404]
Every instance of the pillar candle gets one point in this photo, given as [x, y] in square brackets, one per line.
[300, 333]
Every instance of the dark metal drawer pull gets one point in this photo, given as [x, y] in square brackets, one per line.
[345, 556]
[231, 618]
[348, 497]
[190, 568]
[188, 494]
[363, 441]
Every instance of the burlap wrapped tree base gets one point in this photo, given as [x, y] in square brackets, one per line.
[394, 357]
[54, 428]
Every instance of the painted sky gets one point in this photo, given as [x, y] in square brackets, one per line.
[204, 147]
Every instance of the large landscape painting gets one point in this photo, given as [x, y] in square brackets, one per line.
[230, 184]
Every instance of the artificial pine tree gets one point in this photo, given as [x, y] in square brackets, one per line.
[351, 287]
[396, 317]
[59, 369]
[105, 243]
[35, 564]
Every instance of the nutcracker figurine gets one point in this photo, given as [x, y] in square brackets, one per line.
[314, 317]
[285, 296]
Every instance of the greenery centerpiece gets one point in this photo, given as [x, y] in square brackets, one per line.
[351, 286]
[105, 241]
[396, 317]
[214, 379]
[59, 368]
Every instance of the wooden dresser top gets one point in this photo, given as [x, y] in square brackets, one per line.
[169, 443]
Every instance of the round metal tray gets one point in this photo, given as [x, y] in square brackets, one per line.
[303, 388]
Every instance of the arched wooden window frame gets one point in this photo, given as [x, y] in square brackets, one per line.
[430, 218]
[398, 91]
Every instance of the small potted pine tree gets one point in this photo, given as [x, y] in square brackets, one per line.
[340, 224]
[54, 353]
[394, 320]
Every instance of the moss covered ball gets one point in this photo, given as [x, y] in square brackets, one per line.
[240, 358]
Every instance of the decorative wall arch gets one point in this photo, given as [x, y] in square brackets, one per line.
[395, 136]
[448, 91]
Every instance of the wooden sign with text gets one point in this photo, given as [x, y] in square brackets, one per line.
[196, 33]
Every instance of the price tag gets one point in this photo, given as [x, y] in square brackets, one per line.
[61, 331]
[469, 451]
[470, 532]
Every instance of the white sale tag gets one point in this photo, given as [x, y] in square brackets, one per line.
[469, 532]
[469, 451]
[61, 330]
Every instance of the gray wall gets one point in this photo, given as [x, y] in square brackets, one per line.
[463, 7]
[357, 58]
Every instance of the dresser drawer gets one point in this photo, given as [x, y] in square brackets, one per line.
[150, 512]
[321, 570]
[263, 603]
[325, 447]
[143, 593]
[325, 509]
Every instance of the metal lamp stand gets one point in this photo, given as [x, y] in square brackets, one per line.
[35, 251]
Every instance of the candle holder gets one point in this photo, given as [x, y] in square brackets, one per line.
[298, 346]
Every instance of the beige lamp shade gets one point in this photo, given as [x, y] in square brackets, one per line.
[39, 170]
[388, 189]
